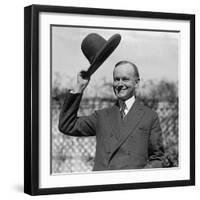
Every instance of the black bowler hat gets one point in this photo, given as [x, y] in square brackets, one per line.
[96, 49]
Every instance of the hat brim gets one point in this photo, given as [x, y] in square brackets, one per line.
[104, 53]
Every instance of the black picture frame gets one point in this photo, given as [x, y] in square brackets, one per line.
[32, 107]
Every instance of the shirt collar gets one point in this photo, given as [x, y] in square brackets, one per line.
[130, 102]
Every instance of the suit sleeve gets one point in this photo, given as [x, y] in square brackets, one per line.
[70, 123]
[155, 148]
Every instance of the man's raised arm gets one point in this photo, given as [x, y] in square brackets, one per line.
[69, 122]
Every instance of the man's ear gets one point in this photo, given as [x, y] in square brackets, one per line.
[137, 80]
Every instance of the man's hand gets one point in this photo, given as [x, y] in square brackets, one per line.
[82, 82]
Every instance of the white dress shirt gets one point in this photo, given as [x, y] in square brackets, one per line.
[129, 104]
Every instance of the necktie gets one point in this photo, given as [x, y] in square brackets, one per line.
[122, 109]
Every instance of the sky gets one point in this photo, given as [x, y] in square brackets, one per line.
[155, 53]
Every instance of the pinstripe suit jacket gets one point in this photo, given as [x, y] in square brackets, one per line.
[132, 143]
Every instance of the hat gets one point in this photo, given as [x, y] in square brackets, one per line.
[96, 49]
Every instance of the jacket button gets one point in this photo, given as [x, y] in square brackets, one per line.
[129, 153]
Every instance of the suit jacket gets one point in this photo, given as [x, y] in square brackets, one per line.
[132, 143]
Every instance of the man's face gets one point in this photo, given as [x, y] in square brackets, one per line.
[124, 81]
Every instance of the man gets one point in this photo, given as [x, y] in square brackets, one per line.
[128, 134]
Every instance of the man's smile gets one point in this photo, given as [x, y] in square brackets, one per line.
[121, 89]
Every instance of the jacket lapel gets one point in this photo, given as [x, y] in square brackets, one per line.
[130, 122]
[114, 120]
[132, 119]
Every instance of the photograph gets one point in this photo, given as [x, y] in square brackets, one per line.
[109, 99]
[137, 69]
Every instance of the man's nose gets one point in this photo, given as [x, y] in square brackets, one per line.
[120, 83]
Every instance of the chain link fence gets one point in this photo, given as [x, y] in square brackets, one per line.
[76, 154]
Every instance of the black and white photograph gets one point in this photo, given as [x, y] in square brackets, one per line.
[109, 100]
[114, 99]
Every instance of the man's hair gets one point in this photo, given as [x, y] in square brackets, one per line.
[136, 72]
